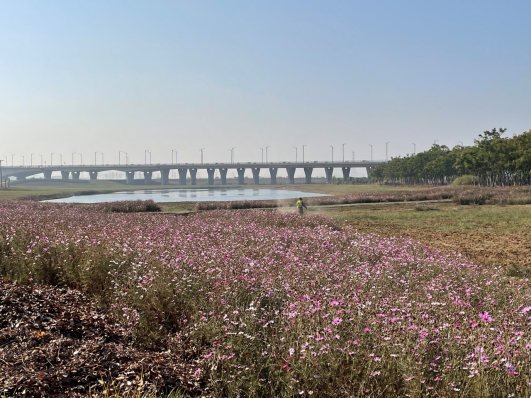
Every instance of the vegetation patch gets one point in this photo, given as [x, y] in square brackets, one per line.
[280, 305]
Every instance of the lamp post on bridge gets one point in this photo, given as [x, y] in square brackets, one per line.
[232, 154]
[295, 154]
[371, 151]
[262, 154]
[332, 153]
[344, 151]
[266, 152]
[145, 156]
[303, 152]
[173, 150]
[119, 159]
[51, 159]
[202, 155]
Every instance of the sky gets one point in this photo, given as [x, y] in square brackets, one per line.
[80, 77]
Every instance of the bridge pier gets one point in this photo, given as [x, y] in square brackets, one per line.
[256, 175]
[211, 172]
[75, 175]
[308, 173]
[182, 176]
[65, 175]
[93, 175]
[241, 175]
[346, 172]
[329, 171]
[148, 177]
[273, 171]
[47, 174]
[223, 174]
[165, 176]
[129, 176]
[369, 168]
[193, 173]
[291, 174]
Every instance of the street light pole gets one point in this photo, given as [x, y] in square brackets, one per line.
[414, 148]
[344, 152]
[332, 153]
[295, 154]
[51, 159]
[202, 155]
[303, 152]
[266, 153]
[386, 153]
[371, 151]
[262, 154]
[173, 150]
[145, 155]
[119, 157]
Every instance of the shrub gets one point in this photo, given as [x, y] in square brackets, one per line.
[129, 206]
[464, 180]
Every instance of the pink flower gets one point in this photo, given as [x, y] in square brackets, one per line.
[337, 321]
[484, 316]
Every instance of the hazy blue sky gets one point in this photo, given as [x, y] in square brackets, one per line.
[86, 76]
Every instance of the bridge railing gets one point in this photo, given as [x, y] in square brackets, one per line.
[306, 162]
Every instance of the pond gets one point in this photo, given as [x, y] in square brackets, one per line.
[189, 195]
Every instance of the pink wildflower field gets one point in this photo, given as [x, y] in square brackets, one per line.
[278, 305]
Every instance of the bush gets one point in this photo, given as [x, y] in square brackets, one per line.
[129, 206]
[464, 180]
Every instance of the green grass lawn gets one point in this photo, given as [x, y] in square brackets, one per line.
[441, 216]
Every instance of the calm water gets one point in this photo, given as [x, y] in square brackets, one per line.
[189, 195]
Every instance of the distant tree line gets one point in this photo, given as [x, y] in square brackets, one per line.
[492, 161]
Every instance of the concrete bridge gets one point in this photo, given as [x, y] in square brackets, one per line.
[185, 169]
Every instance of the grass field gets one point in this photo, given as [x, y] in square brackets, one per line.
[266, 303]
[487, 234]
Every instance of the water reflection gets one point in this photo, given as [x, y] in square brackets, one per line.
[191, 195]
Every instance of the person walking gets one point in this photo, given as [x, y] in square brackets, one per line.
[301, 206]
